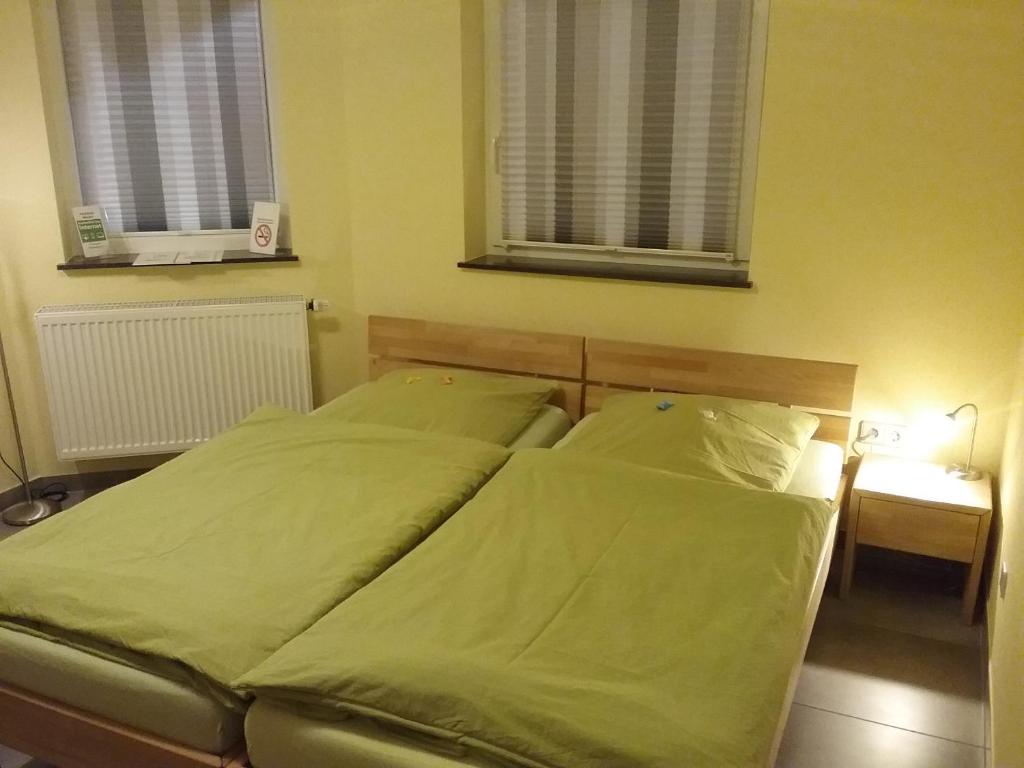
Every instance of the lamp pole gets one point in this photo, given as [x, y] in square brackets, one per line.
[30, 510]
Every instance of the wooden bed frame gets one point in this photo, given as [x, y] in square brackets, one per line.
[613, 367]
[810, 614]
[822, 388]
[396, 343]
[587, 372]
[72, 738]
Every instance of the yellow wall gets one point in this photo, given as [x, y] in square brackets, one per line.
[891, 161]
[887, 231]
[1006, 626]
[311, 111]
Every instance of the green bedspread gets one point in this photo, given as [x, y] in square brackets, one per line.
[219, 557]
[578, 612]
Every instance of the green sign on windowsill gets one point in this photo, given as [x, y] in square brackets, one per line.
[92, 232]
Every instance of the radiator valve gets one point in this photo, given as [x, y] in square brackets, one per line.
[318, 305]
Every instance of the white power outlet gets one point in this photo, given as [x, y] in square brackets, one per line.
[1004, 576]
[879, 433]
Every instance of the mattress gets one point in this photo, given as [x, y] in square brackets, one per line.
[282, 737]
[817, 473]
[143, 693]
[549, 426]
[128, 693]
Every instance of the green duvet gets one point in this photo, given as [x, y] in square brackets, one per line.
[578, 612]
[218, 558]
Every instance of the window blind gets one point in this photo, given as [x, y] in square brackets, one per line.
[168, 109]
[623, 122]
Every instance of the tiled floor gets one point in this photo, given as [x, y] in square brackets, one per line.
[892, 677]
[11, 759]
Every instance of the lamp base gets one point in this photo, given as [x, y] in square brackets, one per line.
[30, 512]
[960, 472]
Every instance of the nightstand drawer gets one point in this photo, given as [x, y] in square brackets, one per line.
[918, 529]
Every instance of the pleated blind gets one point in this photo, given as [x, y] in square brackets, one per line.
[623, 122]
[169, 111]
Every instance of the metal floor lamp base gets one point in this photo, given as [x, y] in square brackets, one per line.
[30, 512]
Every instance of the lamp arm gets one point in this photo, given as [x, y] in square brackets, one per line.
[966, 472]
[974, 431]
[956, 413]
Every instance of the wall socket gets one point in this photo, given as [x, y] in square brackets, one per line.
[879, 433]
[1004, 576]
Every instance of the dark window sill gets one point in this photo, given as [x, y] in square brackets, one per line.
[124, 260]
[721, 278]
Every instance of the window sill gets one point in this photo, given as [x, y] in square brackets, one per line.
[124, 260]
[720, 278]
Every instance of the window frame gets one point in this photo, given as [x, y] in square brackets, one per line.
[496, 245]
[64, 160]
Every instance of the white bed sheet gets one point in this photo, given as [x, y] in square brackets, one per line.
[817, 473]
[548, 427]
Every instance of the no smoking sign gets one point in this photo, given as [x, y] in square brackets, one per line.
[263, 235]
[263, 228]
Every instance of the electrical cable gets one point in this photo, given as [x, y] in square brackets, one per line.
[860, 438]
[14, 472]
[54, 491]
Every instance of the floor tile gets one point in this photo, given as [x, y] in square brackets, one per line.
[815, 738]
[11, 759]
[905, 593]
[896, 679]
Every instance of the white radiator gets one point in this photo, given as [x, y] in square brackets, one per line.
[159, 377]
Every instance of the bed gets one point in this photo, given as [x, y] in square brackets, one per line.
[76, 700]
[326, 700]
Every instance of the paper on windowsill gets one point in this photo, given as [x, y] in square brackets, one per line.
[152, 259]
[204, 257]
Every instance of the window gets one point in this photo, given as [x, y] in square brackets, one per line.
[166, 103]
[624, 131]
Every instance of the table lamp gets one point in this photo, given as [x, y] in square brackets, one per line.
[965, 471]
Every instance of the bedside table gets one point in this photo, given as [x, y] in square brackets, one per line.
[914, 506]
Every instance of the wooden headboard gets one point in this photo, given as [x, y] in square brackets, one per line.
[822, 388]
[396, 342]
